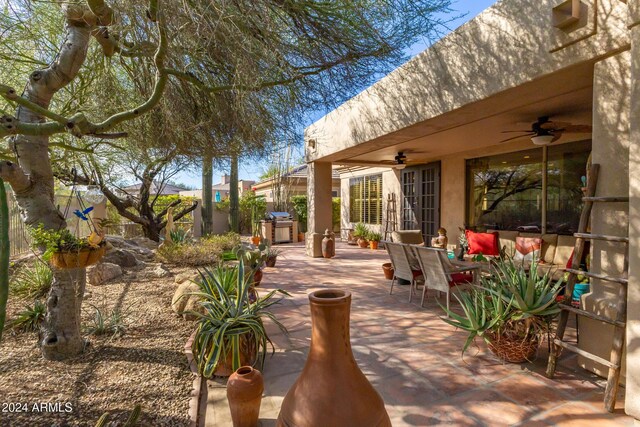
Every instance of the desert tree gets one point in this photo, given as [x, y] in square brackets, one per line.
[237, 46]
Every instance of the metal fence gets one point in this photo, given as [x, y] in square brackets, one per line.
[19, 240]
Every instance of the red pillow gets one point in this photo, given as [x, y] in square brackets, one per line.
[570, 261]
[485, 243]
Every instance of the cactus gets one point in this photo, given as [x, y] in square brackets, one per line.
[104, 419]
[4, 254]
[131, 421]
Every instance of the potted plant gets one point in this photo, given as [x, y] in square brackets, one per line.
[511, 311]
[64, 250]
[387, 269]
[254, 259]
[230, 331]
[374, 239]
[271, 256]
[360, 232]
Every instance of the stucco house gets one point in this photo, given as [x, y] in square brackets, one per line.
[221, 190]
[295, 182]
[437, 133]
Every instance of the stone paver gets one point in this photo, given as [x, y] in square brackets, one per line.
[413, 358]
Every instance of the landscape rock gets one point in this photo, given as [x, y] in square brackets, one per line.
[103, 272]
[186, 276]
[122, 257]
[160, 271]
[145, 243]
[182, 301]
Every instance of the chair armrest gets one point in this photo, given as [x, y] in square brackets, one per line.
[457, 269]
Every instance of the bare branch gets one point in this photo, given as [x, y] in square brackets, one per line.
[14, 175]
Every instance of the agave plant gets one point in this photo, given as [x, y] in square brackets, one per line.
[512, 303]
[231, 325]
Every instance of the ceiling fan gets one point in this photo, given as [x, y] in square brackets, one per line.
[545, 131]
[401, 160]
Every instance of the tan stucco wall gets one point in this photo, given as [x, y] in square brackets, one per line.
[506, 46]
[632, 401]
[610, 149]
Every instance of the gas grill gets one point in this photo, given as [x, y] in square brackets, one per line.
[282, 227]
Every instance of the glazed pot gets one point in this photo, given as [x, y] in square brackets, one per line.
[363, 243]
[257, 277]
[255, 240]
[332, 390]
[244, 393]
[271, 261]
[373, 245]
[388, 270]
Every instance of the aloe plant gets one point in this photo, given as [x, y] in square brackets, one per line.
[4, 254]
[231, 322]
[511, 302]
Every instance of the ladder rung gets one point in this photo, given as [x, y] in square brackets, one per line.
[591, 315]
[586, 354]
[621, 199]
[602, 237]
[620, 280]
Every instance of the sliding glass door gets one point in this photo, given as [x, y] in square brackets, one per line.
[421, 199]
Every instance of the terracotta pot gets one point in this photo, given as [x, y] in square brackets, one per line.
[271, 261]
[328, 245]
[255, 240]
[300, 237]
[244, 393]
[373, 245]
[77, 259]
[257, 277]
[248, 356]
[514, 350]
[332, 390]
[363, 243]
[388, 270]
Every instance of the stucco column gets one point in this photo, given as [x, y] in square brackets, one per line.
[632, 399]
[319, 183]
[610, 149]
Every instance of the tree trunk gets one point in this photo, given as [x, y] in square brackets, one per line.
[4, 254]
[62, 337]
[152, 231]
[234, 197]
[207, 195]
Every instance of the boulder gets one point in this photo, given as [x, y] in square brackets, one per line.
[186, 276]
[160, 271]
[182, 300]
[144, 243]
[122, 257]
[103, 272]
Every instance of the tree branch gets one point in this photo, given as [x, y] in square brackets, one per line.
[165, 210]
[14, 175]
[180, 215]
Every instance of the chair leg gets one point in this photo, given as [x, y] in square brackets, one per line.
[424, 294]
[448, 303]
[413, 283]
[392, 283]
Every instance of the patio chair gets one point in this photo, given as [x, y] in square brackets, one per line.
[441, 275]
[405, 266]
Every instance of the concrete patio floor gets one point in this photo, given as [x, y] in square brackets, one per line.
[413, 358]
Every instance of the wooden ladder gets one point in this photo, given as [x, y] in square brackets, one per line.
[390, 218]
[619, 323]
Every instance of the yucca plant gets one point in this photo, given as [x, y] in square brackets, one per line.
[212, 279]
[513, 305]
[230, 329]
[360, 231]
[179, 236]
[33, 281]
[31, 318]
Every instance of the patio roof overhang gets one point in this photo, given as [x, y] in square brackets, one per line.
[500, 71]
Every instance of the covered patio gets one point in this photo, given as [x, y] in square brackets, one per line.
[412, 357]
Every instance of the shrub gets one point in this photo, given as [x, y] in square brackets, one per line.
[33, 281]
[207, 251]
[31, 318]
[249, 204]
[113, 323]
[300, 209]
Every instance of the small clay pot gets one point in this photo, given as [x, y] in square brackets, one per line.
[257, 277]
[244, 392]
[271, 261]
[300, 237]
[373, 245]
[363, 243]
[388, 270]
[255, 240]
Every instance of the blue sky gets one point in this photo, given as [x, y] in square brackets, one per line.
[470, 8]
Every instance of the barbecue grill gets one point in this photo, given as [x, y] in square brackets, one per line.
[282, 227]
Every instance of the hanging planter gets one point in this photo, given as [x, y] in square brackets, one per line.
[77, 259]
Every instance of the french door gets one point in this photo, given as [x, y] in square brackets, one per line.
[421, 199]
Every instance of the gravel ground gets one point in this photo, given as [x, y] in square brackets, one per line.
[146, 366]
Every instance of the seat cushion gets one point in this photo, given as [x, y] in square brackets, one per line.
[484, 243]
[507, 240]
[564, 249]
[417, 274]
[460, 279]
[411, 237]
[549, 243]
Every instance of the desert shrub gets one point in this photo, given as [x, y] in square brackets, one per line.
[247, 204]
[31, 281]
[300, 208]
[107, 322]
[207, 251]
[30, 319]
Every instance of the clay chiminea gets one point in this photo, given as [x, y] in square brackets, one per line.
[328, 245]
[244, 392]
[332, 390]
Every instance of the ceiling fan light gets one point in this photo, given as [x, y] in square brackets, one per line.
[400, 166]
[542, 139]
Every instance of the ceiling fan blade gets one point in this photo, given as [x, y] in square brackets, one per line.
[551, 125]
[518, 137]
[520, 131]
[578, 129]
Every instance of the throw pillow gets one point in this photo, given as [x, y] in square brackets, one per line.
[528, 248]
[484, 243]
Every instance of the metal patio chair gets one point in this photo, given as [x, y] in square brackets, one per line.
[405, 266]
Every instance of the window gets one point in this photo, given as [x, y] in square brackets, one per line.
[365, 199]
[504, 192]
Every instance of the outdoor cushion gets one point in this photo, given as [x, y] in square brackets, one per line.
[417, 274]
[507, 240]
[549, 243]
[460, 279]
[411, 237]
[564, 250]
[528, 248]
[485, 243]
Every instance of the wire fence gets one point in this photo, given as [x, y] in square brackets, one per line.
[19, 240]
